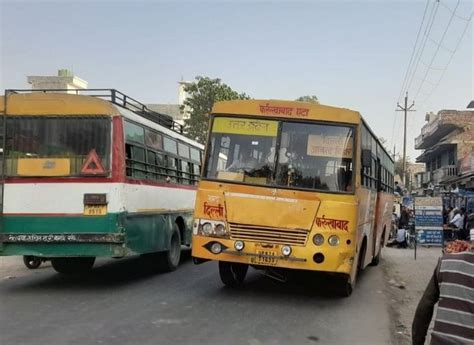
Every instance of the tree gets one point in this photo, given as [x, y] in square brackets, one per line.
[203, 93]
[308, 98]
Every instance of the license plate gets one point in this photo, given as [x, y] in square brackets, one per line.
[95, 210]
[264, 257]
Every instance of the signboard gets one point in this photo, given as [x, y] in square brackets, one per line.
[329, 146]
[429, 220]
[245, 126]
[431, 237]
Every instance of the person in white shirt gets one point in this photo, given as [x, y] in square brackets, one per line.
[457, 220]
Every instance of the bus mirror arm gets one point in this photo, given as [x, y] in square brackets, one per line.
[366, 158]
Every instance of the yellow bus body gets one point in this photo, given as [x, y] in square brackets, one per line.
[361, 219]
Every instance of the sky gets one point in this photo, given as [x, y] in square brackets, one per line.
[352, 54]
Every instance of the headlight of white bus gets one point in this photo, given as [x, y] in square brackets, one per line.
[211, 228]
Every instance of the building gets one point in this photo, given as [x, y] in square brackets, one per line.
[64, 80]
[447, 139]
[174, 109]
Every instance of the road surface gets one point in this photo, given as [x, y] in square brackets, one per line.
[122, 302]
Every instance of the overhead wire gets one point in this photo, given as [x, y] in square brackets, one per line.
[445, 68]
[433, 13]
[413, 51]
[437, 49]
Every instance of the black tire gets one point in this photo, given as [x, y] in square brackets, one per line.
[168, 261]
[344, 287]
[232, 274]
[74, 265]
[32, 262]
[376, 259]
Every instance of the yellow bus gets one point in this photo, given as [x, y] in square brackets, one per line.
[303, 186]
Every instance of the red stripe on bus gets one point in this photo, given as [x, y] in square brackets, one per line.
[118, 150]
[44, 214]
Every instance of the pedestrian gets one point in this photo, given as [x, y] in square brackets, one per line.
[404, 218]
[398, 189]
[452, 287]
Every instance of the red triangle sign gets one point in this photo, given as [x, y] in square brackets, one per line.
[92, 165]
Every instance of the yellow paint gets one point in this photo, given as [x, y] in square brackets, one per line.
[318, 112]
[245, 126]
[329, 146]
[230, 176]
[349, 216]
[95, 210]
[56, 104]
[44, 167]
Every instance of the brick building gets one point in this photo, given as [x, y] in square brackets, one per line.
[447, 139]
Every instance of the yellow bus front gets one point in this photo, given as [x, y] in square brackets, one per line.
[278, 193]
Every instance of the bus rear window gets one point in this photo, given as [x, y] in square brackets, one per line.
[56, 146]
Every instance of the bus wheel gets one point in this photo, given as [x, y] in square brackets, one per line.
[73, 265]
[376, 260]
[344, 287]
[168, 261]
[232, 274]
[32, 262]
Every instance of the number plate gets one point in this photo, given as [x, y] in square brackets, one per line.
[95, 210]
[265, 257]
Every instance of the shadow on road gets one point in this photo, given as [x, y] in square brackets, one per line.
[303, 284]
[106, 274]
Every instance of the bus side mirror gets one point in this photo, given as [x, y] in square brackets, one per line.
[366, 158]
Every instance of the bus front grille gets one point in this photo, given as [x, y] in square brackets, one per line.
[257, 233]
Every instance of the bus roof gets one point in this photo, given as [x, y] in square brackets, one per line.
[38, 104]
[287, 109]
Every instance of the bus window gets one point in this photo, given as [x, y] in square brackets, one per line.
[69, 139]
[171, 169]
[243, 150]
[317, 157]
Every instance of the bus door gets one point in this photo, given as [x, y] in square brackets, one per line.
[378, 207]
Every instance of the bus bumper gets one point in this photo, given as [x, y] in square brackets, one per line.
[337, 259]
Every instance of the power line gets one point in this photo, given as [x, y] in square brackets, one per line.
[449, 60]
[438, 48]
[426, 34]
[455, 14]
[413, 50]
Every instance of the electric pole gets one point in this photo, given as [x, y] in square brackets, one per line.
[405, 109]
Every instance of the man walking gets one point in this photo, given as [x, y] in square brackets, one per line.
[452, 287]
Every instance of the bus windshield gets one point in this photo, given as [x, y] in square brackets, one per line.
[55, 146]
[313, 156]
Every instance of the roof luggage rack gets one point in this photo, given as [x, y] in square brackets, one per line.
[118, 98]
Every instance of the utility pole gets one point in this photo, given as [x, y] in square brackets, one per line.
[405, 109]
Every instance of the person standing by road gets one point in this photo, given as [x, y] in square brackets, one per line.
[452, 287]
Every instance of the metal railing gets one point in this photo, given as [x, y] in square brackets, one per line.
[116, 97]
[444, 173]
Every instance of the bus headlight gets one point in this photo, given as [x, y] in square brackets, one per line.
[206, 229]
[212, 228]
[286, 250]
[239, 245]
[216, 248]
[333, 240]
[318, 239]
[219, 230]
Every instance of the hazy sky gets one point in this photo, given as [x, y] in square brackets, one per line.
[352, 54]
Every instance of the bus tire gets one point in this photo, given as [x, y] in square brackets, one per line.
[232, 274]
[73, 265]
[376, 259]
[168, 261]
[344, 286]
[32, 262]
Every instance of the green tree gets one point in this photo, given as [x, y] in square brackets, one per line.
[308, 98]
[202, 94]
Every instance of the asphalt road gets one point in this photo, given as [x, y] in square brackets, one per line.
[122, 302]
